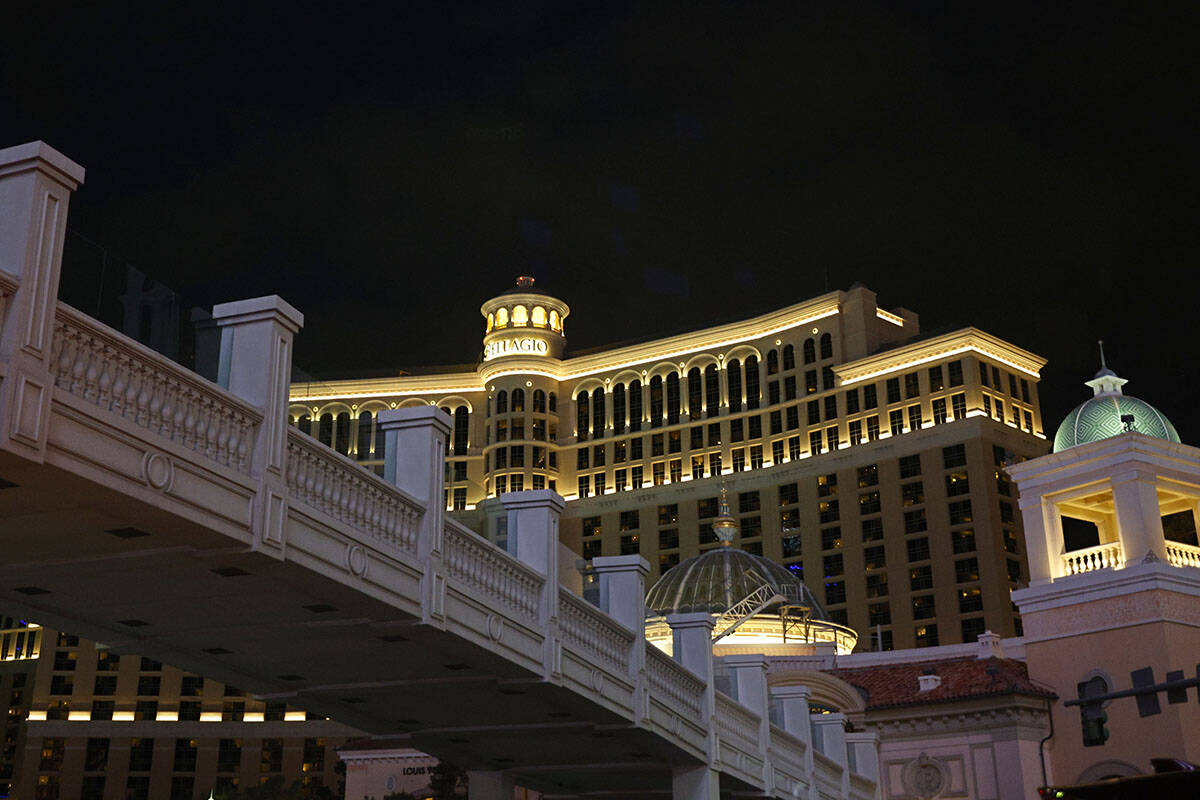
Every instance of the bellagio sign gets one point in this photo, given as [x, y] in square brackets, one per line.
[515, 346]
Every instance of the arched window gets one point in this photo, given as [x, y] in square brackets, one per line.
[695, 392]
[752, 382]
[325, 430]
[789, 357]
[553, 403]
[305, 424]
[491, 322]
[712, 391]
[826, 345]
[656, 401]
[734, 368]
[518, 400]
[554, 321]
[772, 362]
[810, 351]
[539, 316]
[501, 317]
[502, 402]
[461, 430]
[635, 406]
[672, 399]
[581, 416]
[520, 316]
[618, 394]
[598, 415]
[363, 450]
[539, 401]
[341, 439]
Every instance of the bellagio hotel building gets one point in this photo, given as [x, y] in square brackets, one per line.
[865, 457]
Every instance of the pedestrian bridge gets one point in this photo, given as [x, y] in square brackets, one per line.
[152, 510]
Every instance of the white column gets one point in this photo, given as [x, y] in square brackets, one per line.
[533, 526]
[831, 732]
[36, 182]
[699, 782]
[623, 589]
[792, 702]
[1139, 518]
[691, 641]
[748, 675]
[255, 363]
[865, 747]
[414, 461]
[1043, 554]
[489, 785]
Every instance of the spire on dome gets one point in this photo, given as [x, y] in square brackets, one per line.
[725, 526]
[1106, 381]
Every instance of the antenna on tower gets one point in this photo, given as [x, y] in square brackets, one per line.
[1102, 364]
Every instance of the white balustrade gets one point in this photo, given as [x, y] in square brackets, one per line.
[100, 366]
[340, 488]
[787, 752]
[737, 724]
[1105, 556]
[1183, 555]
[592, 632]
[675, 686]
[481, 565]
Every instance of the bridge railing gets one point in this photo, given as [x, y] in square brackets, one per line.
[479, 564]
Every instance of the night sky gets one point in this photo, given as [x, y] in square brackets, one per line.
[657, 166]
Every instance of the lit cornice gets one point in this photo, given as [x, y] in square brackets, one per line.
[961, 341]
[435, 385]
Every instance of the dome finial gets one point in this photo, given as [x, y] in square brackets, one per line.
[1103, 366]
[725, 526]
[1106, 381]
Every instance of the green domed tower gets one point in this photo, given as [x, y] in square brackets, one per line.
[1109, 413]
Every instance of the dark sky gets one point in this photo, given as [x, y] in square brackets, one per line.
[657, 166]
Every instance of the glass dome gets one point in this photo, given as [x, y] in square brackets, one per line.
[718, 579]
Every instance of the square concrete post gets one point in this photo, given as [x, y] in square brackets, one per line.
[699, 782]
[865, 749]
[623, 597]
[1139, 517]
[831, 733]
[489, 785]
[533, 526]
[414, 461]
[748, 675]
[36, 182]
[691, 640]
[1043, 550]
[255, 364]
[792, 702]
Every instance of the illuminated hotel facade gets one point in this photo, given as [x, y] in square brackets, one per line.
[863, 456]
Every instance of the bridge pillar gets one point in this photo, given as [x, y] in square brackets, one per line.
[831, 733]
[792, 702]
[695, 783]
[255, 364]
[489, 785]
[691, 646]
[623, 589]
[414, 461]
[36, 182]
[865, 748]
[748, 674]
[533, 537]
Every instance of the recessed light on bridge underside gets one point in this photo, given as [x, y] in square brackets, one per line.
[216, 651]
[229, 572]
[127, 533]
[392, 637]
[291, 677]
[320, 608]
[133, 623]
[31, 590]
[456, 666]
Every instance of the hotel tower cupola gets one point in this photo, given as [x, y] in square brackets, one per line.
[521, 325]
[1111, 412]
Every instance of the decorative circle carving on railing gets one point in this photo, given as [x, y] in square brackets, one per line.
[597, 680]
[356, 560]
[676, 725]
[495, 627]
[158, 471]
[925, 777]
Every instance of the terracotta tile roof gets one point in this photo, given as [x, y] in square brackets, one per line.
[890, 685]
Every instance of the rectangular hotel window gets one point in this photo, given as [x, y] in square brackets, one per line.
[714, 434]
[814, 412]
[827, 485]
[628, 520]
[754, 427]
[789, 494]
[697, 467]
[854, 430]
[794, 448]
[831, 410]
[926, 635]
[1012, 385]
[597, 456]
[1025, 390]
[869, 400]
[918, 549]
[629, 545]
[776, 422]
[104, 685]
[957, 483]
[910, 466]
[667, 560]
[936, 383]
[972, 628]
[516, 456]
[735, 430]
[619, 451]
[793, 417]
[501, 484]
[789, 387]
[896, 422]
[739, 459]
[970, 600]
[674, 441]
[914, 418]
[987, 405]
[620, 481]
[756, 456]
[518, 429]
[656, 402]
[668, 538]
[635, 477]
[777, 451]
[1014, 570]
[751, 527]
[983, 374]
[517, 483]
[585, 486]
[591, 548]
[996, 379]
[62, 684]
[714, 464]
[827, 511]
[872, 530]
[102, 710]
[873, 428]
[706, 508]
[539, 430]
[598, 482]
[960, 512]
[827, 378]
[956, 373]
[712, 391]
[954, 456]
[697, 437]
[912, 385]
[583, 458]
[877, 584]
[539, 482]
[939, 411]
[814, 443]
[963, 541]
[591, 526]
[923, 606]
[772, 392]
[791, 546]
[1028, 421]
[831, 438]
[460, 467]
[958, 404]
[834, 565]
[749, 502]
[635, 406]
[914, 521]
[966, 570]
[868, 503]
[999, 405]
[874, 557]
[835, 592]
[920, 578]
[502, 431]
[852, 401]
[810, 381]
[1010, 541]
[893, 390]
[878, 614]
[668, 514]
[656, 445]
[635, 448]
[676, 470]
